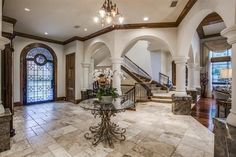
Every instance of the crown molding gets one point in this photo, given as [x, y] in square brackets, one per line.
[9, 20]
[185, 11]
[182, 15]
[19, 34]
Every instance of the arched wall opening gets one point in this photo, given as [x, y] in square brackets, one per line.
[151, 54]
[38, 74]
[99, 57]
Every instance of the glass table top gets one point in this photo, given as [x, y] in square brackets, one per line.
[118, 104]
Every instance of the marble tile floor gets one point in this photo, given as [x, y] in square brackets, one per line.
[57, 130]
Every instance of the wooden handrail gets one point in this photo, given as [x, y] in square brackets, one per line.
[136, 65]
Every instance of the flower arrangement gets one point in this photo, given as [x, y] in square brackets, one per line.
[106, 93]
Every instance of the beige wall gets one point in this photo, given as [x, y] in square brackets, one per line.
[19, 44]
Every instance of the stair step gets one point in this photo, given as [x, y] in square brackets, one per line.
[158, 91]
[161, 100]
[162, 97]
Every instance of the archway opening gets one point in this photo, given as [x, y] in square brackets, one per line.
[148, 56]
[38, 74]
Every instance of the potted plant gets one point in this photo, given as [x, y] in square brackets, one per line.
[106, 93]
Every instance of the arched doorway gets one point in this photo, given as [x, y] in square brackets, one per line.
[38, 74]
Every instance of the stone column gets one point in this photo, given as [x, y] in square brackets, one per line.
[1, 106]
[230, 33]
[116, 67]
[197, 76]
[191, 90]
[191, 76]
[180, 75]
[86, 76]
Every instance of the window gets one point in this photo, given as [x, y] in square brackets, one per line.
[219, 65]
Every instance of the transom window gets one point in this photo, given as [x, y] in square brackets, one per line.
[220, 64]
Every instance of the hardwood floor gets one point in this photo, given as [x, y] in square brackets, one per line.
[204, 112]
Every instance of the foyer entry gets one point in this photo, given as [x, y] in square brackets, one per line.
[38, 75]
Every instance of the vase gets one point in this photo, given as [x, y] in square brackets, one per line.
[106, 99]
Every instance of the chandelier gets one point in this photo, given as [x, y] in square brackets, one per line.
[109, 14]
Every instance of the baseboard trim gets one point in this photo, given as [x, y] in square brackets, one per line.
[60, 99]
[78, 101]
[17, 104]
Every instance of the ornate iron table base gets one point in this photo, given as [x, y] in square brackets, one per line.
[106, 131]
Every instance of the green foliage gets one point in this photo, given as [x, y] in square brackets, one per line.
[107, 90]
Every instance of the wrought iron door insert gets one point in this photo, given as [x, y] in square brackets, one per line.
[39, 76]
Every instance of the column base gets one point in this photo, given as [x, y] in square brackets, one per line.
[5, 130]
[2, 110]
[180, 94]
[181, 105]
[231, 119]
[193, 94]
[225, 139]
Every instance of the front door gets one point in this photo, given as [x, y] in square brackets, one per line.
[70, 77]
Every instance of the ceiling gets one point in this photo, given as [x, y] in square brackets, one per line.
[58, 17]
[215, 28]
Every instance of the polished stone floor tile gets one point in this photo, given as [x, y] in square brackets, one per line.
[57, 130]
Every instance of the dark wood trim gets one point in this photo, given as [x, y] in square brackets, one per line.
[208, 20]
[37, 38]
[3, 2]
[212, 36]
[78, 101]
[61, 99]
[128, 85]
[98, 33]
[17, 104]
[73, 39]
[7, 87]
[23, 69]
[9, 20]
[8, 35]
[130, 26]
[185, 11]
[221, 59]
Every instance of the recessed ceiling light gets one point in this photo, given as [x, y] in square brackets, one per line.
[96, 19]
[27, 9]
[85, 29]
[46, 33]
[145, 19]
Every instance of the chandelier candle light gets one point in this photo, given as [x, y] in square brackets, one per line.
[108, 14]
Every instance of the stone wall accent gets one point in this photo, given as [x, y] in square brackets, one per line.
[5, 130]
[181, 105]
[225, 139]
[193, 94]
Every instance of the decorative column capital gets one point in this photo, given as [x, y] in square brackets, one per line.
[192, 65]
[117, 60]
[230, 34]
[3, 42]
[85, 65]
[180, 59]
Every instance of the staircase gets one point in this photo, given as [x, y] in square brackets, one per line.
[142, 77]
[162, 97]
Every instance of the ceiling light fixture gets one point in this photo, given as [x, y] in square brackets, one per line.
[85, 29]
[109, 14]
[46, 33]
[27, 9]
[145, 19]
